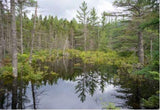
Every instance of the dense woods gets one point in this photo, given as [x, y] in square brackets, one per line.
[127, 40]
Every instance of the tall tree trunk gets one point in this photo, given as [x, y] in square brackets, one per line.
[33, 34]
[33, 95]
[2, 95]
[140, 48]
[20, 104]
[21, 28]
[1, 35]
[8, 19]
[14, 39]
[14, 94]
[9, 34]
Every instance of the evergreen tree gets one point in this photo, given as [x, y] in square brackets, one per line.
[138, 10]
[82, 16]
[93, 29]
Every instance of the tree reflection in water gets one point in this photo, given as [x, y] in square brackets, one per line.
[134, 89]
[87, 77]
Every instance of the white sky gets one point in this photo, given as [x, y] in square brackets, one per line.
[68, 8]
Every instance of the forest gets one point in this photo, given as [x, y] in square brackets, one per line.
[107, 62]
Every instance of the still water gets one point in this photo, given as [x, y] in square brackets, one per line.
[62, 95]
[76, 86]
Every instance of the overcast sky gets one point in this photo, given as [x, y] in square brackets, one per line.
[68, 8]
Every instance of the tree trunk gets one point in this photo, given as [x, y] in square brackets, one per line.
[20, 102]
[140, 48]
[85, 37]
[8, 19]
[21, 28]
[33, 35]
[1, 35]
[9, 34]
[14, 94]
[33, 96]
[14, 39]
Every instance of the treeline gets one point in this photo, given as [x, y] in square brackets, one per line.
[134, 33]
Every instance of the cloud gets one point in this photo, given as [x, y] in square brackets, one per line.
[68, 8]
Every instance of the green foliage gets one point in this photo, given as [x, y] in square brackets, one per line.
[103, 42]
[95, 57]
[23, 57]
[6, 69]
[149, 71]
[150, 22]
[6, 74]
[110, 106]
[110, 58]
[83, 13]
[93, 18]
[103, 20]
[151, 102]
[24, 68]
[34, 76]
[153, 75]
[31, 3]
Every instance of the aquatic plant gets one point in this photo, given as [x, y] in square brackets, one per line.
[110, 106]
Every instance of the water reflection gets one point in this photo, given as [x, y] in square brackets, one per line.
[135, 89]
[74, 80]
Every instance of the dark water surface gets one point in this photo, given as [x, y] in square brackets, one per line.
[76, 86]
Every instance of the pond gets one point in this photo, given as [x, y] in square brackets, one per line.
[71, 84]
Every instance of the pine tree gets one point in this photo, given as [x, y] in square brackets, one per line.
[93, 19]
[137, 9]
[82, 16]
[93, 29]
